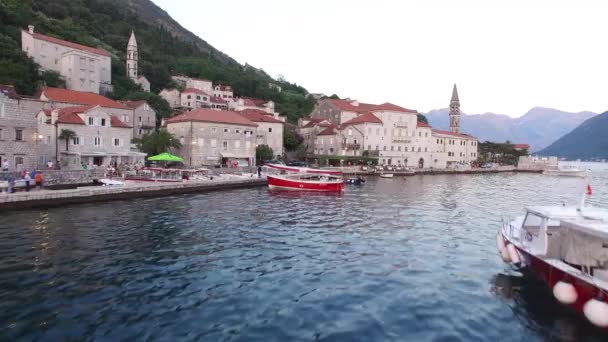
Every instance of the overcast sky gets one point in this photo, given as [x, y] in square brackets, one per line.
[505, 58]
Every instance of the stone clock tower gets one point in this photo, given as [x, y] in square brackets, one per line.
[455, 112]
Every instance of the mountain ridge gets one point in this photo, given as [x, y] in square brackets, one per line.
[588, 140]
[538, 127]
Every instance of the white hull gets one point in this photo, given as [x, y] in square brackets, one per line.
[387, 175]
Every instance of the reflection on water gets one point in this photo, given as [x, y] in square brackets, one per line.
[395, 259]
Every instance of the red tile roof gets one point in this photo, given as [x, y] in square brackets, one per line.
[522, 146]
[9, 91]
[258, 116]
[251, 102]
[194, 91]
[347, 105]
[80, 97]
[328, 131]
[133, 104]
[422, 124]
[116, 122]
[210, 115]
[363, 118]
[69, 115]
[312, 122]
[459, 135]
[70, 44]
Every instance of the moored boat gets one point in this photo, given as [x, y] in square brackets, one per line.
[566, 172]
[354, 180]
[150, 174]
[304, 169]
[306, 182]
[386, 175]
[567, 247]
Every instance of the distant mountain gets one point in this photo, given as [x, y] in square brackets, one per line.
[589, 140]
[539, 127]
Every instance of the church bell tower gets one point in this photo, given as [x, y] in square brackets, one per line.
[132, 57]
[455, 111]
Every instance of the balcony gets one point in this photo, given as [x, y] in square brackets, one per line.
[401, 125]
[352, 147]
[403, 140]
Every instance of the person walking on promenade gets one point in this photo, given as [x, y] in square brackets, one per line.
[49, 164]
[11, 183]
[38, 180]
[259, 172]
[27, 178]
[5, 165]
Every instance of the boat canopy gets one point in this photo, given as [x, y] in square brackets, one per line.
[165, 157]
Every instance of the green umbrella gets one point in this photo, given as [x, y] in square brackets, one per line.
[166, 157]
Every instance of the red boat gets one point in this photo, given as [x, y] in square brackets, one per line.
[306, 182]
[567, 247]
[305, 169]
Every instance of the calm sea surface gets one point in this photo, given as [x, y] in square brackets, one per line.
[393, 260]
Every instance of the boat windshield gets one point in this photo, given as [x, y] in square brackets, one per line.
[532, 222]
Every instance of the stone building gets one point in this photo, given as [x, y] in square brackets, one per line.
[143, 119]
[269, 131]
[172, 96]
[223, 92]
[242, 103]
[84, 68]
[347, 130]
[196, 83]
[100, 139]
[20, 140]
[59, 98]
[214, 137]
[133, 64]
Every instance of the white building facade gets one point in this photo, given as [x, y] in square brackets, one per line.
[84, 68]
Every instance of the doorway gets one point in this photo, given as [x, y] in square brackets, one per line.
[421, 163]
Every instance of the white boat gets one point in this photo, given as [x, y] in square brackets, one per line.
[567, 247]
[110, 182]
[386, 175]
[566, 172]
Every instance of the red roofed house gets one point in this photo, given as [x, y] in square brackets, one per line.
[196, 83]
[242, 103]
[102, 139]
[270, 130]
[84, 68]
[193, 98]
[214, 137]
[223, 91]
[521, 147]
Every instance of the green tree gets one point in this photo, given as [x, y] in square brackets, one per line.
[66, 134]
[157, 142]
[263, 153]
[291, 139]
[53, 79]
[423, 118]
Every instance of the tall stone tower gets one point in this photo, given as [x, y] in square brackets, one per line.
[455, 111]
[132, 58]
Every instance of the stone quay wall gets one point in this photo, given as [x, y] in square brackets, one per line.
[62, 177]
[54, 198]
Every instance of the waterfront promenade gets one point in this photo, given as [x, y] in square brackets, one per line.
[53, 198]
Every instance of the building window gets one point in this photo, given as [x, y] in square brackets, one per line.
[225, 145]
[237, 131]
[18, 161]
[188, 97]
[97, 141]
[419, 149]
[198, 97]
[226, 130]
[392, 148]
[48, 139]
[102, 122]
[384, 147]
[140, 119]
[269, 129]
[76, 141]
[139, 131]
[399, 148]
[1, 133]
[377, 148]
[213, 129]
[18, 134]
[426, 149]
[116, 142]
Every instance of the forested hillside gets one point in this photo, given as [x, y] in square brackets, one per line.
[165, 49]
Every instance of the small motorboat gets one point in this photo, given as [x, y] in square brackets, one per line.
[566, 172]
[386, 175]
[567, 247]
[354, 181]
[296, 169]
[306, 182]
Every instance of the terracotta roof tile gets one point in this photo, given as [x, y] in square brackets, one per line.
[258, 116]
[194, 91]
[133, 104]
[69, 115]
[363, 118]
[80, 97]
[522, 146]
[210, 115]
[423, 124]
[347, 105]
[312, 123]
[328, 131]
[116, 122]
[70, 44]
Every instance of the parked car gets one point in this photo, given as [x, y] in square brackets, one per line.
[486, 166]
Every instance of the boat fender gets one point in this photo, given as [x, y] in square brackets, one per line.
[500, 243]
[513, 254]
[565, 292]
[596, 312]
